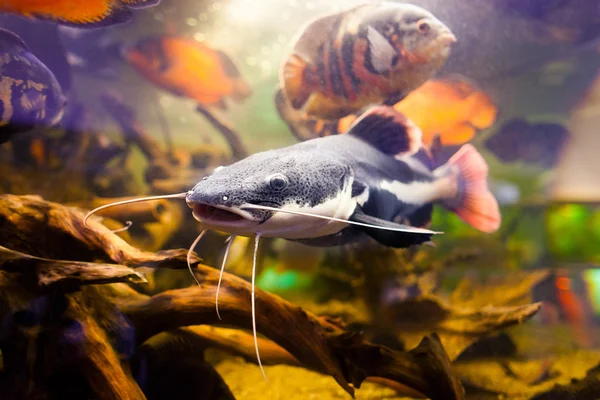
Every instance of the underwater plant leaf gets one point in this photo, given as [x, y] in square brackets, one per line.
[48, 272]
[474, 311]
[457, 327]
[586, 388]
[508, 289]
[527, 378]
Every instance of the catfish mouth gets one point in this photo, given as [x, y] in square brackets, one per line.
[220, 215]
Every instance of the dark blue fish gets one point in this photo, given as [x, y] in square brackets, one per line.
[535, 144]
[30, 95]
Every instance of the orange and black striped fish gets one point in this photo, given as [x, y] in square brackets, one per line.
[375, 53]
[81, 14]
[188, 68]
[451, 108]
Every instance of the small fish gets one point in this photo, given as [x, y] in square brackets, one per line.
[451, 107]
[81, 14]
[375, 181]
[188, 68]
[537, 144]
[30, 95]
[372, 54]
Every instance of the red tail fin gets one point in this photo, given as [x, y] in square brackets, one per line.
[473, 202]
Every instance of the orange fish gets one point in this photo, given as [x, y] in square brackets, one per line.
[188, 68]
[574, 309]
[450, 108]
[375, 53]
[81, 14]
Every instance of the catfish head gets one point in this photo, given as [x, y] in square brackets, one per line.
[230, 199]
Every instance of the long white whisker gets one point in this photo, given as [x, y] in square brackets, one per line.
[408, 229]
[189, 255]
[256, 240]
[123, 229]
[123, 202]
[229, 241]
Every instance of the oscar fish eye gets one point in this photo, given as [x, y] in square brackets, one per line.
[423, 27]
[278, 182]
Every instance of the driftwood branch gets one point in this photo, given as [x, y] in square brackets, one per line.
[29, 224]
[238, 150]
[49, 272]
[44, 229]
[99, 361]
[125, 117]
[315, 342]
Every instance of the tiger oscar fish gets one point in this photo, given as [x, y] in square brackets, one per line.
[451, 108]
[375, 53]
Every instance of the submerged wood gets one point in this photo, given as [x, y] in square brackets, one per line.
[34, 226]
[315, 342]
[45, 229]
[48, 272]
[132, 129]
[151, 211]
[238, 150]
[473, 311]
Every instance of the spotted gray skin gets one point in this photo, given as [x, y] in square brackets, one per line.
[311, 178]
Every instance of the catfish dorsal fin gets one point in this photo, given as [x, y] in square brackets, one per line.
[388, 130]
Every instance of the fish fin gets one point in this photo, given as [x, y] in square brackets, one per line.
[136, 4]
[471, 199]
[389, 238]
[300, 79]
[229, 67]
[387, 130]
[115, 15]
[241, 90]
[381, 51]
[12, 39]
[298, 126]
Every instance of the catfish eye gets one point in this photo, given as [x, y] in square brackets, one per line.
[278, 182]
[423, 27]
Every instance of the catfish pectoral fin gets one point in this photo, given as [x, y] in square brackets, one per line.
[401, 238]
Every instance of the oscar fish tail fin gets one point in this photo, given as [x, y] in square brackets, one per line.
[468, 195]
[299, 80]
